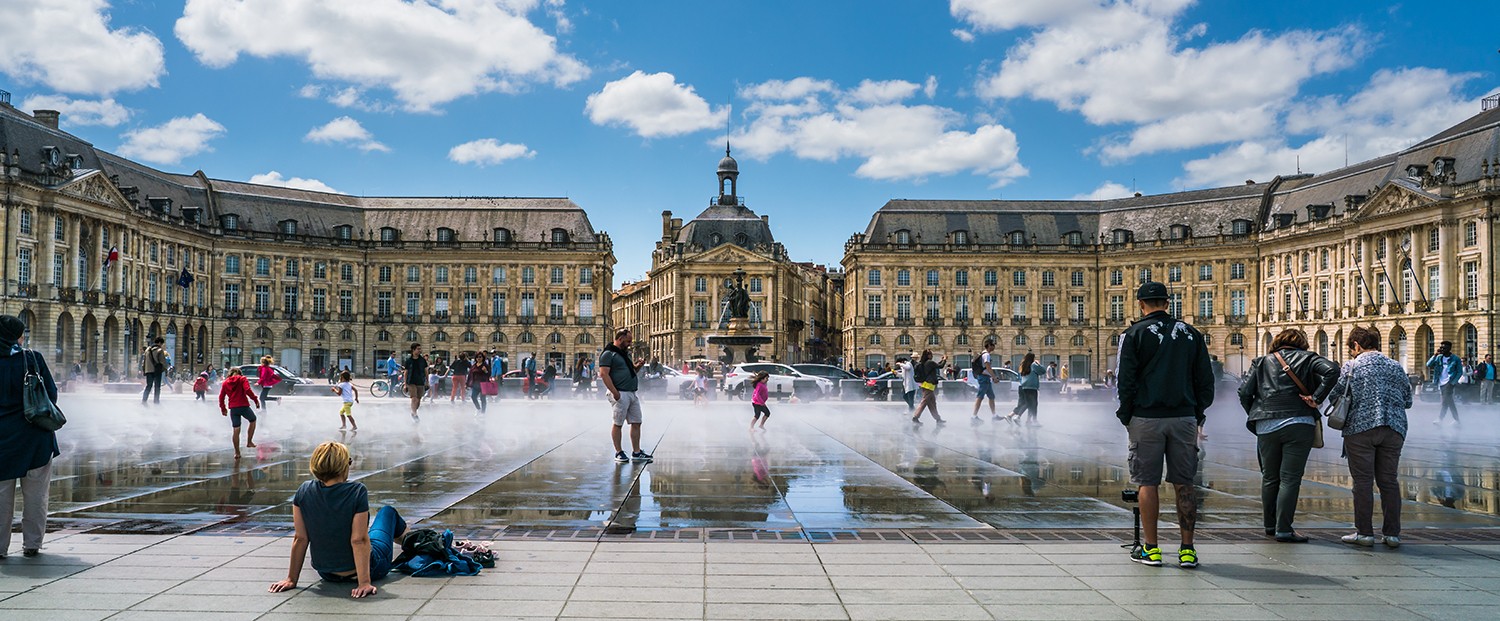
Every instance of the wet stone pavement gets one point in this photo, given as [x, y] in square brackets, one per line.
[546, 468]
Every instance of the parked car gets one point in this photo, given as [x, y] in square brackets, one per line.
[829, 372]
[290, 382]
[780, 383]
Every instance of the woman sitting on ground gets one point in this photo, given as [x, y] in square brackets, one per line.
[332, 517]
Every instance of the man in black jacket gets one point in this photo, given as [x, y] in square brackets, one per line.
[1165, 384]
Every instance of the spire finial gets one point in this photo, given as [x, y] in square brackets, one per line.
[726, 148]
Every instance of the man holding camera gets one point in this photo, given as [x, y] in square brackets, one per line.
[1165, 385]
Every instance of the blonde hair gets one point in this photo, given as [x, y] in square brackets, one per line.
[329, 461]
[265, 360]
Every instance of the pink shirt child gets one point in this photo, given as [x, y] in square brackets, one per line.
[760, 394]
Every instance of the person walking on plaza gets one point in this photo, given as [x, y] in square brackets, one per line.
[350, 396]
[1446, 369]
[416, 378]
[619, 376]
[268, 379]
[700, 387]
[460, 367]
[437, 375]
[200, 386]
[332, 518]
[1374, 435]
[153, 364]
[1028, 390]
[984, 377]
[235, 396]
[478, 374]
[927, 374]
[1281, 402]
[1484, 375]
[393, 371]
[908, 382]
[1166, 384]
[758, 397]
[26, 450]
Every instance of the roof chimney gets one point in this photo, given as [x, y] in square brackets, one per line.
[47, 117]
[765, 219]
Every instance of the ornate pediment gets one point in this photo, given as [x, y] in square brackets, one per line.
[95, 186]
[729, 253]
[1395, 198]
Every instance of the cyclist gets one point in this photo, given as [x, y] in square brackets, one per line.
[393, 371]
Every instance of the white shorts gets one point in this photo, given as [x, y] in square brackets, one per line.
[627, 409]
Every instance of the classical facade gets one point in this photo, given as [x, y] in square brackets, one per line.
[1404, 243]
[681, 302]
[227, 272]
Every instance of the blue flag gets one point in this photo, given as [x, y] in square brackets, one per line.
[184, 279]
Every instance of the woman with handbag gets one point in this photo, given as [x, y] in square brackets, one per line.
[1378, 396]
[27, 445]
[1281, 400]
[479, 375]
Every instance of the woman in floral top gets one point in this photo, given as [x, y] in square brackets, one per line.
[1374, 435]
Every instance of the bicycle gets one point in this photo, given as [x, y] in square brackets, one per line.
[382, 387]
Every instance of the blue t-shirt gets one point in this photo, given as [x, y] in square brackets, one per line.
[328, 513]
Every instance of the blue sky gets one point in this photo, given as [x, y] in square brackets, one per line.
[834, 107]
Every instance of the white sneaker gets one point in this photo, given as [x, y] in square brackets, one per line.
[1357, 539]
[1392, 542]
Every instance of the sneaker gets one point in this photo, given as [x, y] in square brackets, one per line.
[1187, 558]
[621, 458]
[975, 421]
[30, 552]
[916, 421]
[640, 456]
[997, 418]
[1392, 542]
[942, 421]
[1357, 539]
[1146, 556]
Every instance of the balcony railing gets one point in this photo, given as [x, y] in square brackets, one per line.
[291, 315]
[1112, 322]
[1076, 321]
[1236, 320]
[526, 320]
[991, 320]
[904, 322]
[441, 317]
[698, 325]
[963, 322]
[932, 322]
[317, 316]
[27, 290]
[1050, 322]
[111, 300]
[411, 318]
[1017, 320]
[233, 313]
[499, 320]
[1395, 308]
[263, 314]
[468, 318]
[386, 318]
[584, 321]
[874, 321]
[348, 317]
[556, 320]
[70, 294]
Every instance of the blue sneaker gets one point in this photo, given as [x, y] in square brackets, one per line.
[622, 458]
[1146, 556]
[639, 457]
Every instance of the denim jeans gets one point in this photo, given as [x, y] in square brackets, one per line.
[1447, 391]
[476, 394]
[384, 528]
[153, 380]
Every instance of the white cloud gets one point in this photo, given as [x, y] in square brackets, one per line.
[813, 119]
[106, 112]
[275, 178]
[171, 142]
[488, 151]
[68, 45]
[653, 104]
[1388, 115]
[1105, 191]
[963, 35]
[1131, 62]
[427, 53]
[345, 131]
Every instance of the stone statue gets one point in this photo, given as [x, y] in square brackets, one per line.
[751, 355]
[727, 359]
[738, 298]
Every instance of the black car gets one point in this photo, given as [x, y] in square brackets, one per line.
[289, 383]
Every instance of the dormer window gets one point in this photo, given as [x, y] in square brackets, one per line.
[1122, 236]
[1416, 171]
[502, 236]
[229, 222]
[344, 232]
[389, 235]
[287, 227]
[960, 238]
[1017, 238]
[1074, 238]
[159, 204]
[1444, 166]
[446, 235]
[715, 239]
[740, 239]
[903, 238]
[1239, 227]
[559, 236]
[190, 214]
[1180, 231]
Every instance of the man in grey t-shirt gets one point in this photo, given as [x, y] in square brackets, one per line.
[618, 374]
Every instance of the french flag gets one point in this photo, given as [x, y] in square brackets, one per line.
[110, 258]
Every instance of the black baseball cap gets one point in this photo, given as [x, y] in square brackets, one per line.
[1151, 291]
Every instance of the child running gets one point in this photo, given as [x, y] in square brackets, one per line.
[350, 394]
[700, 387]
[758, 396]
[236, 389]
[200, 386]
[332, 518]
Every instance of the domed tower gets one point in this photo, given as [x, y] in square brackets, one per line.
[729, 173]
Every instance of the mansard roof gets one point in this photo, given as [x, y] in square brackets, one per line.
[732, 224]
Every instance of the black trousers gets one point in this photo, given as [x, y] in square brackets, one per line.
[153, 387]
[1283, 458]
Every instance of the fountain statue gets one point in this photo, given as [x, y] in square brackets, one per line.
[739, 335]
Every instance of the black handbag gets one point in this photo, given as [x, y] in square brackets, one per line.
[37, 405]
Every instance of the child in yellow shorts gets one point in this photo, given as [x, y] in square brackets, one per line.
[350, 394]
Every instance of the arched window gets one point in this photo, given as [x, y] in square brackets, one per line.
[934, 340]
[263, 333]
[1017, 238]
[715, 239]
[1239, 227]
[287, 227]
[441, 337]
[1078, 340]
[412, 336]
[903, 238]
[1238, 340]
[383, 336]
[231, 332]
[1180, 231]
[470, 337]
[291, 334]
[389, 235]
[1122, 236]
[502, 236]
[587, 339]
[874, 339]
[960, 238]
[555, 338]
[527, 338]
[229, 222]
[446, 235]
[347, 335]
[320, 334]
[904, 339]
[1020, 340]
[343, 232]
[559, 236]
[960, 340]
[497, 337]
[1074, 238]
[1049, 340]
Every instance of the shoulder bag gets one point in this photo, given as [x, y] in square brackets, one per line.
[1302, 389]
[37, 405]
[1337, 411]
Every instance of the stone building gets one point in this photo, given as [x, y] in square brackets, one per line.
[1403, 242]
[682, 300]
[312, 279]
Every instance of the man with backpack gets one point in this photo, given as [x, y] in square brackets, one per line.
[153, 364]
[984, 376]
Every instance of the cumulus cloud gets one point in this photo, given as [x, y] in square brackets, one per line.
[1105, 191]
[173, 141]
[106, 112]
[963, 35]
[1134, 63]
[1386, 116]
[275, 178]
[345, 131]
[653, 104]
[814, 119]
[426, 53]
[68, 46]
[488, 151]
